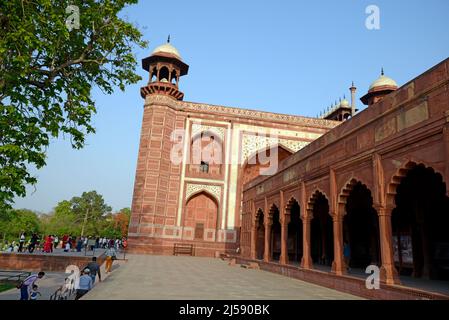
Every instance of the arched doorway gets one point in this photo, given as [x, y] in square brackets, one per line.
[420, 224]
[275, 234]
[361, 227]
[201, 216]
[294, 240]
[260, 229]
[322, 233]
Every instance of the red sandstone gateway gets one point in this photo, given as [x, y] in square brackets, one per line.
[374, 180]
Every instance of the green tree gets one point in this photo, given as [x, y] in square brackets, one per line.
[90, 209]
[61, 221]
[47, 75]
[14, 222]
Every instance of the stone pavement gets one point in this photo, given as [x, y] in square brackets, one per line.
[172, 278]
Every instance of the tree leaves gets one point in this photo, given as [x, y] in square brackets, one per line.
[47, 75]
[67, 218]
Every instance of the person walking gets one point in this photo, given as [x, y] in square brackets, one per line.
[110, 257]
[21, 241]
[55, 246]
[94, 268]
[85, 284]
[29, 283]
[33, 243]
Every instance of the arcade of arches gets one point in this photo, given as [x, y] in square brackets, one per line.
[419, 219]
[372, 191]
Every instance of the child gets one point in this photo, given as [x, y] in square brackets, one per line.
[67, 247]
[34, 293]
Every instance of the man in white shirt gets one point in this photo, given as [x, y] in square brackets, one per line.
[22, 241]
[28, 283]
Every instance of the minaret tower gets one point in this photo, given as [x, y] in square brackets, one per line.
[165, 67]
[157, 182]
[353, 90]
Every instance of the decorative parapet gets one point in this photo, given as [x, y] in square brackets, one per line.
[246, 113]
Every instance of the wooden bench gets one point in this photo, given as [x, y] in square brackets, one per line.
[183, 248]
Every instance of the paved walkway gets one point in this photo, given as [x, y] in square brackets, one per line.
[173, 278]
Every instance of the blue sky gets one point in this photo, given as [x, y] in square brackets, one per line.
[293, 57]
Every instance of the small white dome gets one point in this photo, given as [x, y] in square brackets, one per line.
[167, 48]
[383, 81]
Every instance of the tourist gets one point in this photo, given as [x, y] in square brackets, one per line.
[64, 240]
[94, 268]
[347, 255]
[27, 283]
[73, 243]
[16, 248]
[91, 243]
[110, 257]
[22, 241]
[34, 293]
[79, 244]
[67, 246]
[56, 242]
[52, 243]
[33, 243]
[47, 244]
[85, 284]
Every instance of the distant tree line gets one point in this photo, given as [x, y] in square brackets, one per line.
[86, 215]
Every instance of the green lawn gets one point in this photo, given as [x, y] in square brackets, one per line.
[6, 286]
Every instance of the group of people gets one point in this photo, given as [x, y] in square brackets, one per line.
[22, 245]
[29, 288]
[67, 243]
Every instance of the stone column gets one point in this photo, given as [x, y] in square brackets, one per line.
[306, 261]
[284, 239]
[338, 265]
[267, 249]
[388, 272]
[254, 239]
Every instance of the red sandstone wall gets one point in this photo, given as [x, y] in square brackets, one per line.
[157, 183]
[46, 263]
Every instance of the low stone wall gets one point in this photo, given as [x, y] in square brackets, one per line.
[345, 283]
[142, 245]
[40, 262]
